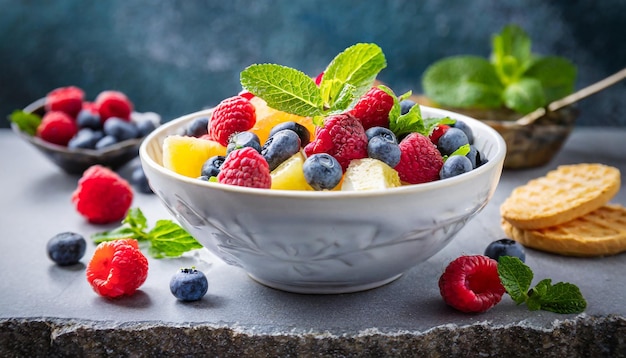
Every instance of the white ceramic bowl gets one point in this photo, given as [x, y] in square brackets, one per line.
[325, 242]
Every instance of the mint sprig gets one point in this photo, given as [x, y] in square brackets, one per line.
[26, 122]
[512, 76]
[166, 238]
[516, 277]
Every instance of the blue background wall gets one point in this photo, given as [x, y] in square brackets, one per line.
[176, 57]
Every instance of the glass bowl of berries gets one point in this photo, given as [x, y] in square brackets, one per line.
[75, 133]
[319, 202]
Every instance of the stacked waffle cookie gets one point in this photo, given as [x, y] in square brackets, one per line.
[568, 212]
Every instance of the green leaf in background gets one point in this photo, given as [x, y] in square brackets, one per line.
[556, 74]
[524, 96]
[26, 122]
[511, 53]
[283, 88]
[357, 66]
[464, 82]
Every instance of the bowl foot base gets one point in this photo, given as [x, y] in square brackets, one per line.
[323, 288]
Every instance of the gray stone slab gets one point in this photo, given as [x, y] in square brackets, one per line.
[46, 310]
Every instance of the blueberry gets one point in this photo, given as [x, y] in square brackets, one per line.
[198, 127]
[455, 165]
[86, 138]
[302, 131]
[66, 248]
[106, 141]
[387, 151]
[322, 171]
[280, 147]
[189, 284]
[451, 140]
[466, 129]
[475, 157]
[381, 132]
[212, 166]
[120, 129]
[505, 247]
[145, 127]
[88, 119]
[242, 140]
[140, 181]
[406, 105]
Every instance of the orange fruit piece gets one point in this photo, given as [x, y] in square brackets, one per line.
[267, 118]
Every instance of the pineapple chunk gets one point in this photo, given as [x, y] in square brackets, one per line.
[185, 155]
[289, 175]
[368, 174]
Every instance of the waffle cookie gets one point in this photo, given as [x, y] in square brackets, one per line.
[564, 194]
[599, 233]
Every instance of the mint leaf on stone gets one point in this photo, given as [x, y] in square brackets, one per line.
[515, 276]
[283, 88]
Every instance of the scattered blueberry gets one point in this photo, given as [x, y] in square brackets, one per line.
[455, 165]
[88, 119]
[198, 127]
[189, 284]
[140, 181]
[242, 140]
[406, 105]
[302, 131]
[211, 168]
[385, 150]
[451, 140]
[505, 247]
[66, 248]
[86, 138]
[322, 171]
[106, 141]
[120, 129]
[466, 129]
[280, 147]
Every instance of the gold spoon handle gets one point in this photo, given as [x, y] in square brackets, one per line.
[572, 98]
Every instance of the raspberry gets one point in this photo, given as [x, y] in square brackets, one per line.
[373, 108]
[65, 99]
[113, 104]
[420, 161]
[57, 127]
[117, 268]
[232, 115]
[102, 196]
[343, 137]
[471, 284]
[437, 132]
[245, 167]
[319, 77]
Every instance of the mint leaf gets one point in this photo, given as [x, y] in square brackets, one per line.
[356, 66]
[462, 150]
[464, 82]
[166, 238]
[524, 96]
[515, 276]
[26, 122]
[556, 74]
[170, 240]
[283, 88]
[511, 53]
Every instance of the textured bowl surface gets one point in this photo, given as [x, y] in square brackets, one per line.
[76, 161]
[325, 242]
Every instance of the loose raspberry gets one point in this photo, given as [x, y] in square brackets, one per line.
[343, 137]
[232, 115]
[65, 99]
[57, 127]
[117, 268]
[471, 284]
[373, 108]
[102, 196]
[420, 161]
[113, 104]
[437, 132]
[245, 167]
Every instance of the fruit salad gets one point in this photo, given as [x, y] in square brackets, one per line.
[338, 131]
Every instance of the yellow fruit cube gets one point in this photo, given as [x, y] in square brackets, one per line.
[368, 174]
[289, 175]
[185, 155]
